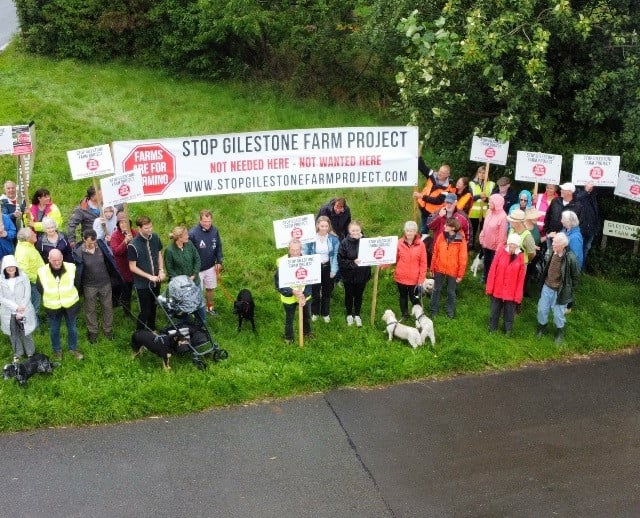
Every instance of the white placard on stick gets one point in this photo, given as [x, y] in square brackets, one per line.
[299, 271]
[122, 188]
[6, 140]
[628, 186]
[538, 167]
[489, 150]
[377, 251]
[90, 162]
[300, 227]
[601, 170]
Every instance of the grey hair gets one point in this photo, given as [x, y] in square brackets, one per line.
[48, 222]
[570, 218]
[24, 234]
[561, 238]
[410, 225]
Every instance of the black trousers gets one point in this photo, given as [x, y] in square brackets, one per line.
[147, 303]
[321, 293]
[407, 293]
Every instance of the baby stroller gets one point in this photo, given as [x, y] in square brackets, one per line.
[180, 304]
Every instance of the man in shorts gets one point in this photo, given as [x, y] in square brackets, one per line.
[207, 241]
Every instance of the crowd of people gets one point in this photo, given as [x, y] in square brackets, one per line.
[94, 266]
[527, 241]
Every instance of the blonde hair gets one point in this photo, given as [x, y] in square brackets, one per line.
[321, 219]
[177, 232]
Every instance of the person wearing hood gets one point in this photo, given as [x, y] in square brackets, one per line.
[354, 276]
[17, 314]
[505, 283]
[494, 232]
[525, 200]
[84, 215]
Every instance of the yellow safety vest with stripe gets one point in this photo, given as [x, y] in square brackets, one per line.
[479, 207]
[292, 299]
[58, 292]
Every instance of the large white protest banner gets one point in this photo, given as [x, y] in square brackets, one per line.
[538, 167]
[121, 188]
[265, 161]
[6, 140]
[489, 150]
[89, 162]
[628, 186]
[601, 170]
[302, 228]
[299, 271]
[378, 251]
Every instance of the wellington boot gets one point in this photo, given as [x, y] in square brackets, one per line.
[559, 335]
[542, 330]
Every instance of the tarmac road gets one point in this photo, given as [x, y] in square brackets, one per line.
[552, 440]
[8, 22]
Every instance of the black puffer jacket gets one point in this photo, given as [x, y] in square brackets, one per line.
[350, 271]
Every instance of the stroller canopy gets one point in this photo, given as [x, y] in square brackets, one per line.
[185, 296]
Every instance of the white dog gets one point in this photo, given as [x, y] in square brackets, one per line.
[395, 328]
[424, 324]
[427, 286]
[477, 265]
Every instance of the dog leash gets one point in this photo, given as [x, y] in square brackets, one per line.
[226, 294]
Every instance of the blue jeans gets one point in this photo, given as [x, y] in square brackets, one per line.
[55, 319]
[547, 303]
[438, 280]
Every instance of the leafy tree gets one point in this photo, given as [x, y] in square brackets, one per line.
[548, 75]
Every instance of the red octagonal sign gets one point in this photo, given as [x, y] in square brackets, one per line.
[156, 165]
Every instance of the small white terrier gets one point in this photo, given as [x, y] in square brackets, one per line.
[424, 324]
[395, 328]
[427, 286]
[477, 265]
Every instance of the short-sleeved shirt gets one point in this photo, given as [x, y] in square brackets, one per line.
[145, 253]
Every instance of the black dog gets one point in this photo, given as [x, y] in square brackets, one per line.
[23, 371]
[244, 307]
[162, 345]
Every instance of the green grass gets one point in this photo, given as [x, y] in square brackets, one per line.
[77, 105]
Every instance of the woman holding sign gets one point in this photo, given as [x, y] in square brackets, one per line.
[354, 276]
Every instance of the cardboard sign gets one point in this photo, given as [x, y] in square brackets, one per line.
[621, 230]
[538, 167]
[378, 250]
[21, 136]
[628, 186]
[6, 140]
[90, 162]
[302, 228]
[123, 188]
[299, 271]
[602, 170]
[488, 150]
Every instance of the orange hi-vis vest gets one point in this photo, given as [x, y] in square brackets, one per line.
[433, 191]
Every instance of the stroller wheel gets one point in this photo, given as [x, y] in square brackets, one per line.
[199, 363]
[220, 354]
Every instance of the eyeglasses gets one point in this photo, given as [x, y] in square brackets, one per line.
[524, 199]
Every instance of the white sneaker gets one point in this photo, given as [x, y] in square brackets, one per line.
[314, 318]
[349, 320]
[327, 319]
[358, 320]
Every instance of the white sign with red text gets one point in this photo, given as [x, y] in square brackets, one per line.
[266, 161]
[377, 251]
[6, 140]
[89, 162]
[601, 170]
[299, 271]
[538, 167]
[489, 150]
[122, 188]
[301, 228]
[628, 186]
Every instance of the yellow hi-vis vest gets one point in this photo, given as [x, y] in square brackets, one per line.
[479, 208]
[58, 292]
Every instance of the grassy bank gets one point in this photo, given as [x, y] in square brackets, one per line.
[76, 105]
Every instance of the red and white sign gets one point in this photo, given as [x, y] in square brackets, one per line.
[6, 140]
[299, 271]
[155, 164]
[601, 170]
[538, 167]
[378, 250]
[21, 136]
[628, 186]
[122, 188]
[89, 162]
[302, 228]
[331, 159]
[488, 150]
